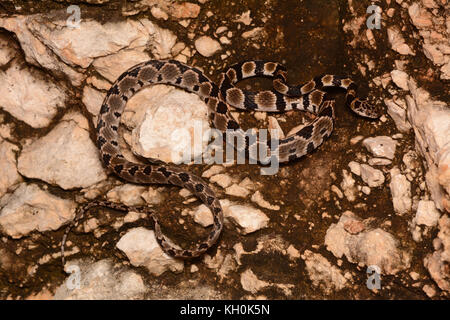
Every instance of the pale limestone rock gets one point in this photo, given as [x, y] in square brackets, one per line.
[7, 53]
[348, 186]
[35, 51]
[112, 66]
[8, 169]
[437, 262]
[398, 42]
[92, 99]
[203, 216]
[66, 156]
[158, 13]
[427, 214]
[127, 194]
[168, 124]
[400, 78]
[161, 41]
[237, 191]
[431, 122]
[381, 146]
[184, 10]
[222, 180]
[260, 201]
[396, 108]
[379, 162]
[373, 177]
[401, 192]
[215, 169]
[152, 196]
[251, 283]
[355, 167]
[253, 33]
[29, 208]
[101, 280]
[80, 46]
[322, 273]
[369, 247]
[142, 249]
[207, 46]
[28, 96]
[246, 218]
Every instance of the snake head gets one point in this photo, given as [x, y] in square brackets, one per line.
[365, 109]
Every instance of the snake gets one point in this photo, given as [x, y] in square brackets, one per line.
[312, 96]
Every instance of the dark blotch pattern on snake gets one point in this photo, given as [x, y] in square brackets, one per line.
[311, 97]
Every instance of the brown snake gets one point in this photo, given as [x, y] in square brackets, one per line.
[310, 97]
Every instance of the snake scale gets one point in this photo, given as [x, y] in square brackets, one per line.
[220, 98]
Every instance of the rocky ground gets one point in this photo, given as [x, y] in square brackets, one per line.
[375, 195]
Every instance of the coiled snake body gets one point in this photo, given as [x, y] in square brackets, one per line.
[310, 97]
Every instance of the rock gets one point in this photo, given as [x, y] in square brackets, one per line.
[292, 252]
[438, 261]
[348, 186]
[246, 218]
[8, 170]
[29, 208]
[370, 247]
[142, 249]
[80, 46]
[322, 273]
[93, 99]
[381, 146]
[7, 53]
[259, 200]
[251, 283]
[36, 52]
[433, 28]
[419, 16]
[237, 191]
[355, 167]
[215, 169]
[253, 33]
[66, 156]
[158, 13]
[184, 10]
[112, 66]
[127, 194]
[398, 42]
[379, 162]
[373, 177]
[207, 46]
[160, 41]
[222, 180]
[401, 192]
[29, 96]
[427, 214]
[397, 111]
[203, 216]
[101, 280]
[152, 196]
[400, 78]
[166, 123]
[429, 290]
[431, 122]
